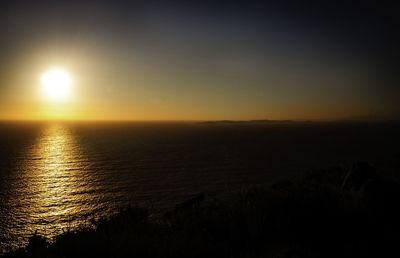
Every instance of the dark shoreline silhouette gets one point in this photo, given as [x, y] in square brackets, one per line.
[334, 212]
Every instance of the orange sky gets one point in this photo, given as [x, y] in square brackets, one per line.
[170, 64]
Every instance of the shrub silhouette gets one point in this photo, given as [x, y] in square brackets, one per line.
[37, 244]
[311, 216]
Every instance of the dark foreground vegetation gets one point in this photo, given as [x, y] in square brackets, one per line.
[330, 213]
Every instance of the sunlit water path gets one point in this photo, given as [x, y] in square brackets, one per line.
[51, 190]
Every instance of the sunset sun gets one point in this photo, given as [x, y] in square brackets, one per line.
[56, 84]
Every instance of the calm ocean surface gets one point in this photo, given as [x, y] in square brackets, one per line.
[55, 176]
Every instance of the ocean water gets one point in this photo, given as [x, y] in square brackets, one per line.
[57, 176]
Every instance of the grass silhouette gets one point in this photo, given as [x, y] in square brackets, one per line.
[310, 216]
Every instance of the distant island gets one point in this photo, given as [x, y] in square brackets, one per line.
[258, 121]
[267, 121]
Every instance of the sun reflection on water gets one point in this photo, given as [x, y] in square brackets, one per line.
[54, 190]
[56, 155]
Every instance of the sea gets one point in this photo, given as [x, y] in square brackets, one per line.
[57, 176]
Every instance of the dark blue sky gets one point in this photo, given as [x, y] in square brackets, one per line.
[208, 59]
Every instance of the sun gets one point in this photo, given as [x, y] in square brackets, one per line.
[56, 84]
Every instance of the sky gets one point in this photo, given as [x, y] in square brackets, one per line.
[202, 60]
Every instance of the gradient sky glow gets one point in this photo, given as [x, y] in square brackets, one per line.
[152, 60]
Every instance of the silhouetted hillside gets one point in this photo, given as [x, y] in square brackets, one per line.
[326, 213]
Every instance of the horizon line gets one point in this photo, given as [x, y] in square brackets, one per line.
[206, 120]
